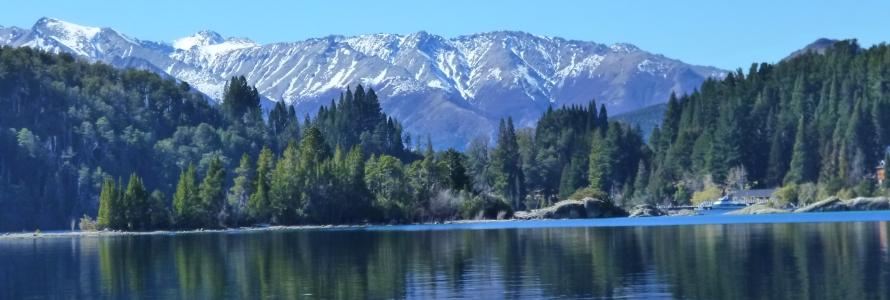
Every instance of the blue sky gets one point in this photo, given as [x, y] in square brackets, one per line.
[725, 34]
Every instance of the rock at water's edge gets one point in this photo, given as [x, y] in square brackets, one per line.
[830, 204]
[684, 212]
[646, 210]
[588, 208]
[757, 209]
[863, 204]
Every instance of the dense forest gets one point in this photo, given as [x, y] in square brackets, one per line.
[73, 132]
[816, 125]
[128, 149]
[140, 152]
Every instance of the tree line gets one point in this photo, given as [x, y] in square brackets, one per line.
[816, 125]
[70, 131]
[71, 127]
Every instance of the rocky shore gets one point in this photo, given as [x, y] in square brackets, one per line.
[757, 209]
[684, 213]
[588, 208]
[107, 233]
[832, 204]
[646, 210]
[856, 204]
[569, 209]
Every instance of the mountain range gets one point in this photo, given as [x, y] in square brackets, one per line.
[451, 89]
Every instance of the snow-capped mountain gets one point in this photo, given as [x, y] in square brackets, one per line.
[452, 89]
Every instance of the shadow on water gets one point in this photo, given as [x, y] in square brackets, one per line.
[724, 261]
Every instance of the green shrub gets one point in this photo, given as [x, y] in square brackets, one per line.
[88, 224]
[807, 193]
[681, 196]
[581, 194]
[787, 194]
[865, 188]
[710, 194]
[833, 187]
[490, 207]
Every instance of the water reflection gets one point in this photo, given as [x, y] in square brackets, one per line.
[754, 261]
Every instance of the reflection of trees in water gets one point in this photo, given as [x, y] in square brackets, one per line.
[776, 261]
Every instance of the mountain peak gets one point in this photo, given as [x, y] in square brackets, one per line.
[818, 46]
[201, 38]
[61, 28]
[624, 47]
[464, 83]
[78, 39]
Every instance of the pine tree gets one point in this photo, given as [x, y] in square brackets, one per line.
[603, 118]
[241, 102]
[284, 190]
[507, 165]
[258, 203]
[802, 158]
[641, 183]
[245, 184]
[109, 211]
[186, 201]
[137, 205]
[159, 214]
[456, 172]
[725, 152]
[567, 182]
[212, 194]
[599, 168]
[315, 175]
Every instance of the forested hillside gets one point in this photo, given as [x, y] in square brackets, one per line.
[68, 128]
[817, 124]
[131, 150]
[646, 118]
[71, 132]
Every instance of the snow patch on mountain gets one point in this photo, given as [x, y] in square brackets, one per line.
[75, 37]
[423, 79]
[624, 47]
[202, 38]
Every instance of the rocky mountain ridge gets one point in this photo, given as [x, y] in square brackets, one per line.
[452, 89]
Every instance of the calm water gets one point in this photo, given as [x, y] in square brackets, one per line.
[816, 256]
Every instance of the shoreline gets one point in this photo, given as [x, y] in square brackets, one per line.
[113, 233]
[819, 207]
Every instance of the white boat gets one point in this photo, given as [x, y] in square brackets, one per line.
[726, 203]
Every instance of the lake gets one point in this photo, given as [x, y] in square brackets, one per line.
[801, 256]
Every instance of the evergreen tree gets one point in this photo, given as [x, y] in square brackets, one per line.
[136, 203]
[570, 180]
[801, 160]
[186, 202]
[284, 189]
[245, 184]
[159, 214]
[212, 194]
[109, 209]
[258, 204]
[456, 173]
[641, 184]
[507, 165]
[603, 118]
[241, 102]
[599, 168]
